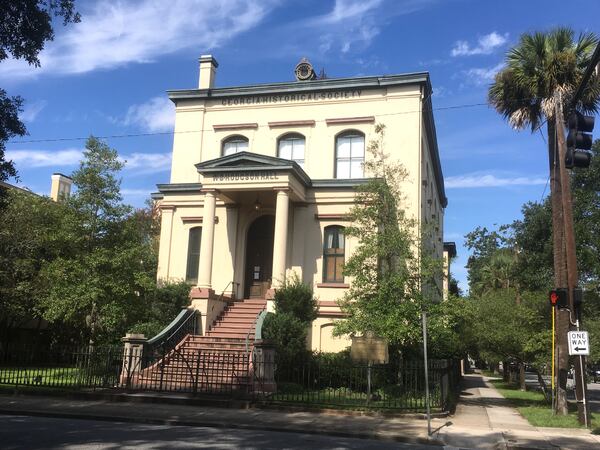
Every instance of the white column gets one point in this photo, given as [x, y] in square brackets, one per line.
[280, 238]
[208, 240]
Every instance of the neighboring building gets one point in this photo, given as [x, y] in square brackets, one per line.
[263, 177]
[449, 254]
[60, 187]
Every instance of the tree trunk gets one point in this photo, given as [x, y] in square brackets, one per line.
[522, 384]
[560, 272]
[505, 372]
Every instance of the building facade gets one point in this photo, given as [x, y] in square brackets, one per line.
[263, 177]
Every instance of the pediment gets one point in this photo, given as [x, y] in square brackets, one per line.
[252, 162]
[245, 160]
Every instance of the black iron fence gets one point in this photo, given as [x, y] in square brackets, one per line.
[72, 367]
[399, 386]
[256, 376]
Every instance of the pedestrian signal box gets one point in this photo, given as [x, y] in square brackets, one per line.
[559, 298]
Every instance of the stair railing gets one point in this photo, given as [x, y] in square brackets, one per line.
[257, 327]
[185, 323]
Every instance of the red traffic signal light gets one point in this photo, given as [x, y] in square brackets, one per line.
[558, 297]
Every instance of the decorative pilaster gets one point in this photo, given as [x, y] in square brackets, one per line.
[166, 232]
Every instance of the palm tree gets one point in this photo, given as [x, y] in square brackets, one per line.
[540, 69]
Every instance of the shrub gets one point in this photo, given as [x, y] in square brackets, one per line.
[296, 299]
[288, 333]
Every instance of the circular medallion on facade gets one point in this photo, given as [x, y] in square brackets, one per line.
[304, 70]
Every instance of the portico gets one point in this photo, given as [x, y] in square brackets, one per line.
[253, 187]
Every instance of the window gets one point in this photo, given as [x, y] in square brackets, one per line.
[350, 155]
[193, 258]
[291, 146]
[235, 144]
[333, 254]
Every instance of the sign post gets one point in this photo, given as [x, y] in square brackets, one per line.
[372, 350]
[579, 345]
[424, 318]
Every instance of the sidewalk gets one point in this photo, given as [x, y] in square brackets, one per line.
[484, 420]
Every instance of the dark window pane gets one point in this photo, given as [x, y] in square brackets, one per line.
[333, 254]
[193, 258]
[339, 269]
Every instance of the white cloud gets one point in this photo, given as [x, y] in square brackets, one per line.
[113, 34]
[45, 158]
[351, 23]
[485, 45]
[483, 75]
[134, 162]
[347, 10]
[31, 110]
[488, 180]
[155, 115]
[147, 162]
[127, 192]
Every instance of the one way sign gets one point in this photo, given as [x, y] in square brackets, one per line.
[579, 344]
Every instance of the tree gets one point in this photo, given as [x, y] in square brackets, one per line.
[30, 237]
[26, 27]
[511, 332]
[542, 68]
[393, 277]
[100, 286]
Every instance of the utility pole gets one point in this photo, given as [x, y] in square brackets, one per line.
[571, 257]
[565, 259]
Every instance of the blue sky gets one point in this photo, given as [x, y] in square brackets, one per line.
[108, 75]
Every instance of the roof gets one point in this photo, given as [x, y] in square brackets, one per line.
[372, 82]
[6, 185]
[450, 247]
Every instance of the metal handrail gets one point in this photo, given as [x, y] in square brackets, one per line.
[257, 326]
[185, 323]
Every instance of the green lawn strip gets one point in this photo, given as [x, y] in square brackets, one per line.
[43, 376]
[533, 406]
[344, 398]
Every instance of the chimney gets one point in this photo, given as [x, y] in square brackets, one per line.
[208, 71]
[61, 187]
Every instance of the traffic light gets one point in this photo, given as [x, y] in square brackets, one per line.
[558, 297]
[579, 140]
[577, 297]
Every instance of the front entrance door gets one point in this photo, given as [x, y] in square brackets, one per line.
[259, 257]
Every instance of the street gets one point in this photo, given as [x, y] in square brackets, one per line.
[20, 432]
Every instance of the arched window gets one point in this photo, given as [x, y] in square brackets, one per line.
[349, 155]
[333, 254]
[193, 255]
[235, 144]
[291, 146]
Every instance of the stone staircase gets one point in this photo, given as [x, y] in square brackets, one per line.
[217, 362]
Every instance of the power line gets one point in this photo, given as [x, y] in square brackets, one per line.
[200, 130]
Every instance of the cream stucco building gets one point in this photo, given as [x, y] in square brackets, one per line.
[263, 176]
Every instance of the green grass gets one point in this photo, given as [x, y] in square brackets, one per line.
[343, 398]
[533, 406]
[42, 376]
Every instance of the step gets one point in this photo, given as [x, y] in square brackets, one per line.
[236, 325]
[214, 347]
[245, 319]
[246, 306]
[226, 333]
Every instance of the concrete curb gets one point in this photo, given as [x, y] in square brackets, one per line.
[223, 425]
